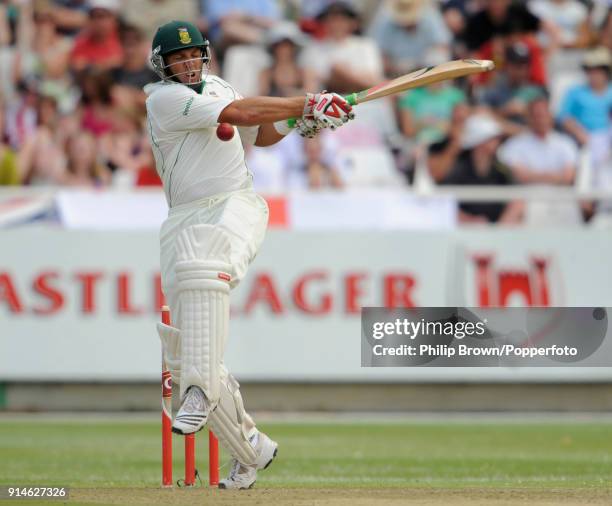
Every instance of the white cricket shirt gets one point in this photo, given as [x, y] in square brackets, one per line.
[192, 162]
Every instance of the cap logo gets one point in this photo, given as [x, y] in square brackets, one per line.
[184, 36]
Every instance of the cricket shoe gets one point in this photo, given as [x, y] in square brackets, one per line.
[242, 476]
[193, 414]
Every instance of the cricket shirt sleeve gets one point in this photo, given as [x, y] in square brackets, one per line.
[178, 109]
[248, 135]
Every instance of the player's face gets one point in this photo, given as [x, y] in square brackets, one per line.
[186, 65]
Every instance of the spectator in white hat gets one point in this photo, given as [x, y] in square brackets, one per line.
[586, 107]
[477, 164]
[283, 77]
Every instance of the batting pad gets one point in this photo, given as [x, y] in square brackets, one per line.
[171, 349]
[231, 423]
[202, 271]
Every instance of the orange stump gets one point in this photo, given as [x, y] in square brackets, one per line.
[190, 471]
[213, 443]
[166, 380]
[213, 460]
[166, 438]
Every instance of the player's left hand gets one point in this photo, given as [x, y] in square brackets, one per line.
[329, 109]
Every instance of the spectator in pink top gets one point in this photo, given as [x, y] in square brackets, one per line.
[97, 111]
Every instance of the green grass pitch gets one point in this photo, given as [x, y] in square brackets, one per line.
[98, 454]
[453, 454]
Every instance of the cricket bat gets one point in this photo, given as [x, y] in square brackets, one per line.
[422, 77]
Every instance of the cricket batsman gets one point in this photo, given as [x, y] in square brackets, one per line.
[215, 226]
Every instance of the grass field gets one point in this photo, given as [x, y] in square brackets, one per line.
[437, 462]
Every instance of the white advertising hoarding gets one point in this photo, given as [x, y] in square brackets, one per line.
[77, 305]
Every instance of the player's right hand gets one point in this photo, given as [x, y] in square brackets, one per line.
[329, 109]
[309, 128]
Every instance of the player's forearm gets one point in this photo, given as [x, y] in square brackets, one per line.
[260, 110]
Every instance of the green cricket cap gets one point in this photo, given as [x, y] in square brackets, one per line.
[177, 35]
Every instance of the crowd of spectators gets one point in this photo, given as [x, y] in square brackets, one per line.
[72, 106]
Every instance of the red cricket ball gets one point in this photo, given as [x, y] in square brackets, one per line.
[225, 131]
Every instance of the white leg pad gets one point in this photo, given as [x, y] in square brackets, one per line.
[203, 275]
[171, 350]
[231, 423]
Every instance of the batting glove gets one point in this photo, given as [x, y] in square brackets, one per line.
[329, 109]
[309, 128]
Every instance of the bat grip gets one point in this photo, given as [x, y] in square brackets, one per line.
[351, 99]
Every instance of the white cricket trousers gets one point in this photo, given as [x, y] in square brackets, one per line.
[243, 216]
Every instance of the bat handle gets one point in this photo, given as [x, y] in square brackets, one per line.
[351, 99]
